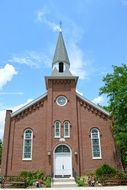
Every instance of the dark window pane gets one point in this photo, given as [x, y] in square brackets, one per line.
[61, 67]
[62, 148]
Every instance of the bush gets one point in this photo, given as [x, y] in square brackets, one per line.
[121, 175]
[104, 170]
[80, 181]
[47, 182]
[32, 176]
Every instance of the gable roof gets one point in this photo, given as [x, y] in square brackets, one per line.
[94, 105]
[28, 105]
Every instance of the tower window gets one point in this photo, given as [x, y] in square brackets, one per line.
[66, 129]
[61, 66]
[57, 129]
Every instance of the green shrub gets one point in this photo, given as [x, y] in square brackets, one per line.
[80, 181]
[32, 176]
[104, 170]
[47, 182]
[121, 175]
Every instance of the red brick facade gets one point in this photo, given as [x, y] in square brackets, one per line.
[40, 116]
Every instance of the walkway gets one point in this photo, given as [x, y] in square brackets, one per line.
[80, 188]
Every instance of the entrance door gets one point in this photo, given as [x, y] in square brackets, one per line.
[62, 162]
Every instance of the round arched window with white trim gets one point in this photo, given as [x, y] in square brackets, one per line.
[27, 144]
[62, 148]
[61, 100]
[96, 144]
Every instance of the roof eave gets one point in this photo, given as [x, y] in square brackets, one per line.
[94, 105]
[28, 105]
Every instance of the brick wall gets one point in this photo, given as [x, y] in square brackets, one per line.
[41, 121]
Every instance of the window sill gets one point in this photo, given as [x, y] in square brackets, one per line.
[27, 159]
[97, 158]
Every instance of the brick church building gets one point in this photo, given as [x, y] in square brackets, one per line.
[61, 132]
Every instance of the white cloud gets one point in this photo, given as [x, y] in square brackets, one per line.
[6, 74]
[11, 93]
[3, 112]
[21, 105]
[78, 63]
[98, 100]
[55, 27]
[76, 55]
[79, 92]
[41, 17]
[32, 59]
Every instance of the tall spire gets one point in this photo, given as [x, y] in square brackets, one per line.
[61, 63]
[60, 54]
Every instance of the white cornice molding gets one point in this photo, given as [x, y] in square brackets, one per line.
[94, 105]
[28, 105]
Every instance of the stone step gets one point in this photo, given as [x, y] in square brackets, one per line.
[64, 182]
[63, 179]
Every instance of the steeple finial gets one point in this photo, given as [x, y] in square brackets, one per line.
[60, 26]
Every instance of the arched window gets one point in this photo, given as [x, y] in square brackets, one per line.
[61, 67]
[62, 148]
[57, 129]
[27, 144]
[66, 129]
[95, 142]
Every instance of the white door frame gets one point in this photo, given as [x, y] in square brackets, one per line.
[54, 157]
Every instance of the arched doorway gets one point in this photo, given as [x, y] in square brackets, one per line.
[62, 161]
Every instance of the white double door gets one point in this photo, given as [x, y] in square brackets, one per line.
[63, 164]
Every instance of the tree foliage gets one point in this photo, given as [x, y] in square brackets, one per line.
[115, 86]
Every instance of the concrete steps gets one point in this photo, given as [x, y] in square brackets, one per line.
[64, 182]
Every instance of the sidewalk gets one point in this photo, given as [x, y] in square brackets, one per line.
[80, 188]
[88, 188]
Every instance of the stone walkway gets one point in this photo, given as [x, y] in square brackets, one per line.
[88, 188]
[80, 188]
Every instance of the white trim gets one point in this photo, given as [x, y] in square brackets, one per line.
[24, 144]
[54, 157]
[28, 105]
[68, 129]
[56, 136]
[99, 144]
[94, 105]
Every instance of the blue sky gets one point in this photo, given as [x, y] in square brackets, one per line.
[95, 33]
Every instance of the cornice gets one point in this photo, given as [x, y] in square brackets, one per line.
[90, 106]
[29, 108]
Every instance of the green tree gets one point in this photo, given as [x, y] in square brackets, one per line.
[115, 87]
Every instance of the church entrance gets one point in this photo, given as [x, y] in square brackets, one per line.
[62, 161]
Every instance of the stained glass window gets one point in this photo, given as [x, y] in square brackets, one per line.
[66, 129]
[57, 129]
[95, 141]
[27, 144]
